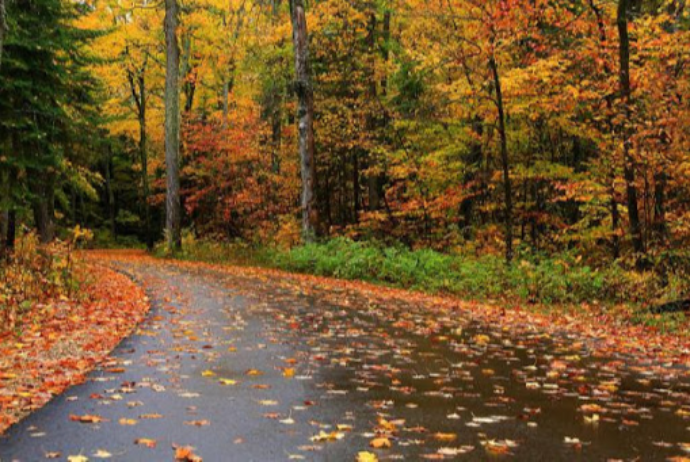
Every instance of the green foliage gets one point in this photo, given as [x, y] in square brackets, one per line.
[47, 109]
[104, 239]
[545, 280]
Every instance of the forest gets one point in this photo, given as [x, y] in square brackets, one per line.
[344, 230]
[521, 134]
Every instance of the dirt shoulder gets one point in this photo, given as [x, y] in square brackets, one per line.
[59, 342]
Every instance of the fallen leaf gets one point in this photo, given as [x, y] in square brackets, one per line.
[186, 454]
[87, 418]
[380, 443]
[365, 456]
[198, 423]
[78, 458]
[149, 443]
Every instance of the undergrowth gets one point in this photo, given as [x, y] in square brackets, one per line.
[34, 274]
[532, 279]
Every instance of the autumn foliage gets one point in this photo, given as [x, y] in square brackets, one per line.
[62, 327]
[525, 130]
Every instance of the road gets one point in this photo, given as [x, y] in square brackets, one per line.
[252, 367]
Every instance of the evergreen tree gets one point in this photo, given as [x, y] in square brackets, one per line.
[46, 107]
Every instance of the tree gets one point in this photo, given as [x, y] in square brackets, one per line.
[3, 26]
[172, 127]
[305, 118]
[47, 109]
[624, 9]
[136, 76]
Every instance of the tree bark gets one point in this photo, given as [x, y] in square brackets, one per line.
[44, 207]
[4, 222]
[305, 114]
[189, 84]
[172, 127]
[628, 161]
[3, 27]
[109, 190]
[139, 94]
[507, 188]
[11, 230]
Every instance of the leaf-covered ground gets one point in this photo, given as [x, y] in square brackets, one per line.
[248, 364]
[57, 342]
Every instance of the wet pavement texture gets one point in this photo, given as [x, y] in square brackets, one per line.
[258, 369]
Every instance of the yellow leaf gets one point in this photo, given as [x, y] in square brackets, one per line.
[323, 436]
[380, 443]
[79, 458]
[445, 436]
[366, 456]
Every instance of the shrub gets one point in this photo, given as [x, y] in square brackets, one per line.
[544, 279]
[33, 274]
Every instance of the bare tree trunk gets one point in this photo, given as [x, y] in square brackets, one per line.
[172, 127]
[507, 188]
[628, 161]
[305, 114]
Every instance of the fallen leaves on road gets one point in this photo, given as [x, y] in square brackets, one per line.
[425, 378]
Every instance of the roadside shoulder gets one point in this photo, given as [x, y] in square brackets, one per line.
[63, 340]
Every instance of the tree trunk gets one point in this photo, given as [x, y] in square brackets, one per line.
[109, 190]
[11, 230]
[189, 83]
[305, 113]
[615, 221]
[372, 178]
[43, 207]
[276, 129]
[139, 95]
[628, 161]
[4, 225]
[172, 127]
[376, 182]
[473, 161]
[660, 180]
[3, 27]
[507, 188]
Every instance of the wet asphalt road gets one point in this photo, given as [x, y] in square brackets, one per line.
[196, 325]
[246, 369]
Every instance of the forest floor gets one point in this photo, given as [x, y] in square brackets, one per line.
[253, 364]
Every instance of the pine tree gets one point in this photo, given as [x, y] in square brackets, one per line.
[46, 107]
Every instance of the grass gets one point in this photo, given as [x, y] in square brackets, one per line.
[550, 282]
